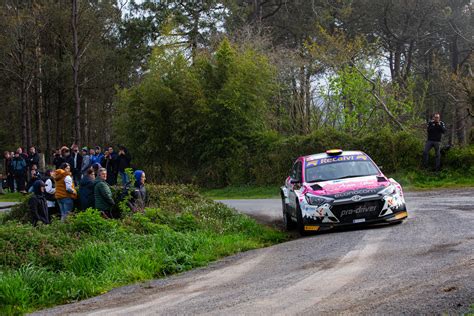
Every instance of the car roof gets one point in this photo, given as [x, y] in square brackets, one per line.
[324, 155]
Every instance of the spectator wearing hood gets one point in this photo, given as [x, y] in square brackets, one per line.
[86, 190]
[139, 198]
[103, 195]
[65, 190]
[123, 162]
[38, 204]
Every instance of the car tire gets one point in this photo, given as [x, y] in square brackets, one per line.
[287, 221]
[299, 221]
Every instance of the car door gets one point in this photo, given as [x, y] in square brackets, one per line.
[296, 174]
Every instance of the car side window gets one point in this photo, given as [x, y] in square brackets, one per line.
[293, 173]
[299, 174]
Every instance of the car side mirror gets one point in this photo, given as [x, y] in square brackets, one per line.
[294, 181]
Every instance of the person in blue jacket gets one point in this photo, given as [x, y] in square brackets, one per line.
[86, 189]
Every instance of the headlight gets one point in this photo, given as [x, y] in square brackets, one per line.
[388, 190]
[317, 200]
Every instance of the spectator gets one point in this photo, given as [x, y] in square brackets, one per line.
[96, 167]
[97, 157]
[76, 164]
[19, 171]
[34, 175]
[7, 166]
[38, 204]
[435, 128]
[123, 162]
[22, 154]
[57, 158]
[103, 195]
[65, 191]
[33, 158]
[109, 162]
[139, 198]
[86, 190]
[50, 190]
[86, 161]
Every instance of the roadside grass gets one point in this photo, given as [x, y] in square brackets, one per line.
[426, 180]
[11, 197]
[242, 192]
[88, 255]
[410, 180]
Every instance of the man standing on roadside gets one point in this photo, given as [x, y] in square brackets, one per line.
[436, 128]
[76, 164]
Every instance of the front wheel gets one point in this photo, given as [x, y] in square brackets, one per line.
[287, 221]
[299, 221]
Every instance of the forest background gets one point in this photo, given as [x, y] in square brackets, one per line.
[231, 92]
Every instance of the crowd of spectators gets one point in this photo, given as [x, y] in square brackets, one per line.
[80, 179]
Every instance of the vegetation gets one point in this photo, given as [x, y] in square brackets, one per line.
[216, 93]
[11, 197]
[88, 255]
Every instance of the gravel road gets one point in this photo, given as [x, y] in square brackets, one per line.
[422, 266]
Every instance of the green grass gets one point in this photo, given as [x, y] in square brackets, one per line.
[242, 192]
[88, 255]
[11, 197]
[426, 180]
[410, 180]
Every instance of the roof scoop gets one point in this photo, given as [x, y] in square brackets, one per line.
[316, 187]
[381, 179]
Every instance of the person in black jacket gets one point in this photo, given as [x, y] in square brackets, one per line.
[7, 161]
[123, 162]
[76, 164]
[38, 204]
[109, 162]
[33, 158]
[435, 128]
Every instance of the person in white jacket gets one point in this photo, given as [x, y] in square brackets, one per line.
[50, 190]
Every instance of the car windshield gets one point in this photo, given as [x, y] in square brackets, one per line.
[340, 170]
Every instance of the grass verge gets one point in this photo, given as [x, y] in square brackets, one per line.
[410, 180]
[242, 192]
[11, 197]
[88, 255]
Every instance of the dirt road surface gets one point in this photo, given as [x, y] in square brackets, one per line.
[422, 266]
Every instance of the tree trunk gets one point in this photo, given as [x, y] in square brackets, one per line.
[24, 110]
[75, 73]
[39, 100]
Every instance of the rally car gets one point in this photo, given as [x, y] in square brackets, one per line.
[339, 188]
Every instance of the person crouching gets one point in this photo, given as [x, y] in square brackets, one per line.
[38, 204]
[103, 195]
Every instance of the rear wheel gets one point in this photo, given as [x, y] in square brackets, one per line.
[287, 221]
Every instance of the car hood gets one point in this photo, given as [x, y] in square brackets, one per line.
[359, 185]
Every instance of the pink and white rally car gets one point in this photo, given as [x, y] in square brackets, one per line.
[339, 188]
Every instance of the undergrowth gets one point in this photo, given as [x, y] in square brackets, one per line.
[89, 255]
